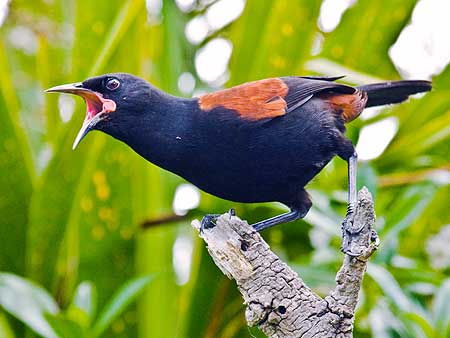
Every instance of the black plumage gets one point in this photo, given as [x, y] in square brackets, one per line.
[258, 142]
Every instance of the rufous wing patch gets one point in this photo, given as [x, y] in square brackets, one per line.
[253, 100]
[350, 105]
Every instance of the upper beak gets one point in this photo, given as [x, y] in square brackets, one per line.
[73, 88]
[96, 106]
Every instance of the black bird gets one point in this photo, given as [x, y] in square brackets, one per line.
[260, 141]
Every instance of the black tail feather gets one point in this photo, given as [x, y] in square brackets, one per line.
[393, 92]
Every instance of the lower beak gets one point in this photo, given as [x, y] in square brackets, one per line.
[87, 126]
[97, 106]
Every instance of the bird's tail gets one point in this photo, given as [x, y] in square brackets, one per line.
[393, 92]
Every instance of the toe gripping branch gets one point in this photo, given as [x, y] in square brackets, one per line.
[359, 238]
[209, 220]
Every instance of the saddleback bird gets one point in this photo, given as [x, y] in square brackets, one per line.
[260, 141]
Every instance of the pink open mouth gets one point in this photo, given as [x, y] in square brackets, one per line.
[96, 104]
[96, 108]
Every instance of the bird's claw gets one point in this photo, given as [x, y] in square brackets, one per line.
[348, 232]
[350, 235]
[208, 222]
[231, 212]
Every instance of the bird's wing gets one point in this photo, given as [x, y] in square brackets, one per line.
[253, 100]
[301, 89]
[270, 98]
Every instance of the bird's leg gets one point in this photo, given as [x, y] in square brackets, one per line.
[284, 218]
[352, 194]
[347, 230]
[299, 208]
[209, 220]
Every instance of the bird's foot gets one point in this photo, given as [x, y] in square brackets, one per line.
[209, 220]
[349, 232]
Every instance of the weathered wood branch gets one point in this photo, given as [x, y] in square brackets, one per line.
[277, 299]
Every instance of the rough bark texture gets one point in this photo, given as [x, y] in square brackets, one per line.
[277, 299]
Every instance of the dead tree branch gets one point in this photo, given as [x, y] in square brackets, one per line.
[277, 299]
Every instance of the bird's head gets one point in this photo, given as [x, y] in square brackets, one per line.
[109, 98]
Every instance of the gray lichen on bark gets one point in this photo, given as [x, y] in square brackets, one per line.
[276, 298]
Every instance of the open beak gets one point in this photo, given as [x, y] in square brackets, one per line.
[97, 106]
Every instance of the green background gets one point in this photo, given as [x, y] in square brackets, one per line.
[72, 216]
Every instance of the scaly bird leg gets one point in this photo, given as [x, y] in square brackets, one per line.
[293, 215]
[347, 226]
[209, 221]
[352, 194]
[299, 209]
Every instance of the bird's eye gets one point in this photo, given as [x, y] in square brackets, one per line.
[112, 84]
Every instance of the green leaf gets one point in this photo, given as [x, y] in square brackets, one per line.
[27, 302]
[421, 322]
[126, 14]
[441, 308]
[255, 332]
[423, 130]
[86, 298]
[5, 329]
[366, 32]
[17, 168]
[206, 291]
[381, 320]
[368, 177]
[278, 45]
[329, 68]
[118, 303]
[246, 39]
[390, 287]
[314, 276]
[63, 327]
[401, 215]
[84, 304]
[12, 116]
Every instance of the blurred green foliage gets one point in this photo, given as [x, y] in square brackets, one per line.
[67, 217]
[32, 305]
